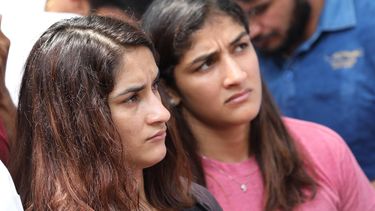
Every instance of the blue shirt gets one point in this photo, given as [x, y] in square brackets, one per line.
[330, 78]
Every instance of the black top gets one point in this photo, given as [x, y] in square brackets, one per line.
[205, 201]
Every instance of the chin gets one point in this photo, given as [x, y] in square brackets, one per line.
[246, 114]
[270, 49]
[249, 109]
[154, 157]
[245, 119]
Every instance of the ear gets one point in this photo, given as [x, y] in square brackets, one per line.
[172, 95]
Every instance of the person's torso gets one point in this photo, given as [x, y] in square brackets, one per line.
[332, 82]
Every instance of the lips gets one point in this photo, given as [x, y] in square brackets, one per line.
[158, 136]
[239, 97]
[263, 40]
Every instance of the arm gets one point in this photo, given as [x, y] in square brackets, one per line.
[7, 108]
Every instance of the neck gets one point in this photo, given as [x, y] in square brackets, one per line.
[140, 185]
[229, 144]
[316, 9]
[141, 191]
[302, 29]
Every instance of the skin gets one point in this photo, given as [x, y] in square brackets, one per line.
[271, 20]
[7, 108]
[116, 13]
[138, 113]
[80, 7]
[219, 85]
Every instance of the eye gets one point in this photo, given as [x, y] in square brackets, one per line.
[155, 85]
[132, 99]
[258, 10]
[206, 64]
[241, 47]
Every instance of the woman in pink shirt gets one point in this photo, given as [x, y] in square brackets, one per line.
[239, 146]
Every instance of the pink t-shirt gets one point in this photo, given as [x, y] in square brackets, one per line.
[342, 184]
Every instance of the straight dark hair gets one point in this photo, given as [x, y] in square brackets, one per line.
[287, 180]
[68, 154]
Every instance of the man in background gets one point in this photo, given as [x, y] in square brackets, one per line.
[318, 60]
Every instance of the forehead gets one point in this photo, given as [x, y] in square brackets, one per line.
[136, 63]
[218, 31]
[218, 26]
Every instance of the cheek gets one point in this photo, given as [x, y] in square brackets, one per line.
[131, 140]
[204, 91]
[127, 127]
[275, 21]
[285, 22]
[254, 73]
[250, 64]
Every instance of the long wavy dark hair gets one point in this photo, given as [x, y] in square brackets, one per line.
[171, 24]
[68, 154]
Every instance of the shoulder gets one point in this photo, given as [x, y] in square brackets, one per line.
[363, 9]
[365, 25]
[205, 200]
[320, 143]
[339, 177]
[312, 133]
[323, 149]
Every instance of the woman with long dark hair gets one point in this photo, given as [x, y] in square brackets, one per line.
[239, 146]
[91, 127]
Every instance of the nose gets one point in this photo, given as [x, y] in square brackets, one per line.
[157, 113]
[234, 74]
[255, 28]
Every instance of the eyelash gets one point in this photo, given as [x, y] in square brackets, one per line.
[207, 63]
[210, 61]
[242, 46]
[258, 10]
[132, 99]
[155, 85]
[135, 97]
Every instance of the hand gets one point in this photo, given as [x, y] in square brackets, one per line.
[7, 108]
[4, 49]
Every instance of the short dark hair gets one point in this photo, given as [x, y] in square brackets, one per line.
[133, 7]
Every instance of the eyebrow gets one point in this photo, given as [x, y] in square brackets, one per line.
[130, 90]
[157, 78]
[137, 88]
[239, 37]
[205, 56]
